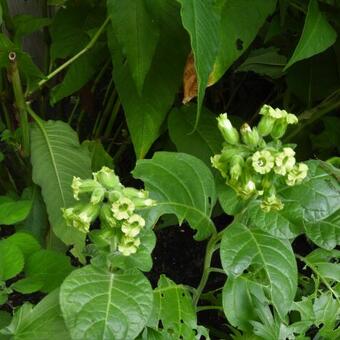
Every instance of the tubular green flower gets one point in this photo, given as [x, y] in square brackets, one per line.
[262, 161]
[297, 174]
[123, 208]
[98, 195]
[134, 193]
[107, 178]
[271, 203]
[228, 132]
[80, 186]
[81, 216]
[133, 225]
[236, 165]
[128, 245]
[291, 119]
[248, 190]
[284, 161]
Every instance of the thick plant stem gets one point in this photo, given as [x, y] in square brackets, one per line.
[20, 102]
[75, 57]
[206, 266]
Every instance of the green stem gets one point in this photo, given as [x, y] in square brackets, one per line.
[19, 101]
[112, 119]
[75, 57]
[203, 308]
[315, 270]
[206, 267]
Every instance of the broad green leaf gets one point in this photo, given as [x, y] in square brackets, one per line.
[182, 185]
[26, 24]
[27, 286]
[25, 242]
[238, 301]
[322, 261]
[145, 113]
[201, 18]
[240, 22]
[286, 223]
[173, 307]
[99, 157]
[36, 223]
[316, 37]
[11, 260]
[70, 26]
[326, 310]
[318, 197]
[228, 199]
[265, 62]
[12, 211]
[259, 252]
[204, 142]
[137, 33]
[314, 79]
[325, 233]
[5, 319]
[44, 321]
[79, 73]
[98, 304]
[49, 267]
[56, 158]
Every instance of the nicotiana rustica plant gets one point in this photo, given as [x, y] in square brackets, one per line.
[254, 161]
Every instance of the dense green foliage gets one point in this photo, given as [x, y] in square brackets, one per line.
[133, 88]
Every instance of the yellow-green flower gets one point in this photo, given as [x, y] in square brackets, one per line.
[133, 225]
[291, 119]
[81, 216]
[128, 245]
[123, 208]
[80, 186]
[297, 174]
[284, 161]
[262, 161]
[271, 203]
[247, 190]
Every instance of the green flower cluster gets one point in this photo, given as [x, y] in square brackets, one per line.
[114, 204]
[253, 166]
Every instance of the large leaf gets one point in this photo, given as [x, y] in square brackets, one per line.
[48, 267]
[240, 22]
[317, 35]
[204, 142]
[98, 304]
[36, 222]
[146, 112]
[269, 259]
[12, 211]
[182, 185]
[25, 242]
[44, 321]
[11, 260]
[56, 157]
[173, 307]
[137, 33]
[201, 18]
[318, 196]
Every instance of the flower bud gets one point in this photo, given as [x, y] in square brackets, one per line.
[247, 190]
[114, 195]
[228, 132]
[80, 186]
[98, 195]
[279, 128]
[134, 193]
[106, 216]
[107, 178]
[141, 203]
[236, 166]
[250, 136]
[265, 125]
